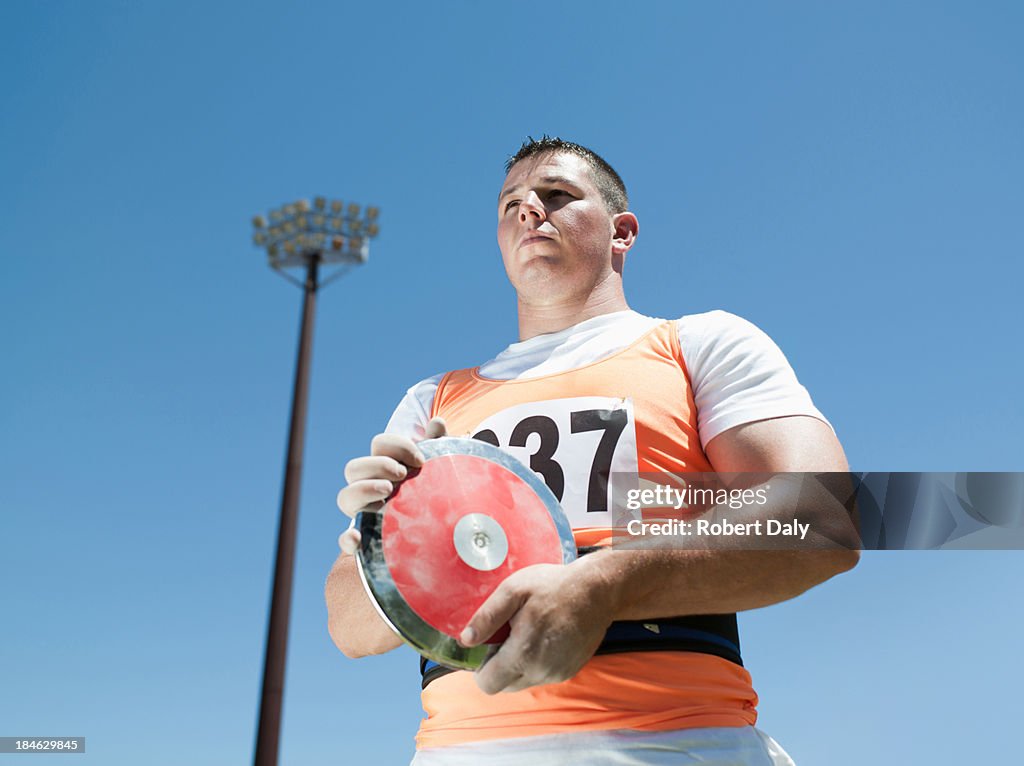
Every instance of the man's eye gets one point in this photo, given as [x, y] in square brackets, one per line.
[511, 205]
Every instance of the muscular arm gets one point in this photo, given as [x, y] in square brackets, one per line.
[561, 613]
[711, 581]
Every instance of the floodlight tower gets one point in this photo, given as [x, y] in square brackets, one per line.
[297, 236]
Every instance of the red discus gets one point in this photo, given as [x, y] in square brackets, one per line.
[470, 517]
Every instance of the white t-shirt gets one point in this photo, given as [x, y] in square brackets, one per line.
[737, 372]
[738, 376]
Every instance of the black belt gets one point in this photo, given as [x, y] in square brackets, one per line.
[715, 634]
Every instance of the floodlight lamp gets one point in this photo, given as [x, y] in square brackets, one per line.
[373, 230]
[289, 248]
[319, 203]
[302, 222]
[335, 223]
[272, 251]
[355, 226]
[372, 213]
[288, 210]
[336, 207]
[259, 222]
[288, 227]
[318, 221]
[353, 209]
[356, 243]
[337, 243]
[275, 215]
[259, 238]
[302, 205]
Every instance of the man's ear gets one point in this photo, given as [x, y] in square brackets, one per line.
[627, 227]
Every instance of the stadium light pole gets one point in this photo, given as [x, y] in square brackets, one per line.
[300, 236]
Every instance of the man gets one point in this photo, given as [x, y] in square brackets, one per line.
[593, 670]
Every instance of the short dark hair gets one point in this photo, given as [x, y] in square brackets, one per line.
[613, 190]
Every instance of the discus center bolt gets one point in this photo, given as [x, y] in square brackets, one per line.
[480, 542]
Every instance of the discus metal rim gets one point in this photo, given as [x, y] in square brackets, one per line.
[380, 585]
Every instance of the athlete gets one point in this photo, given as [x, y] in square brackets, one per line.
[623, 656]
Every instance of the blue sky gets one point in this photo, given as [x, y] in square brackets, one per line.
[847, 177]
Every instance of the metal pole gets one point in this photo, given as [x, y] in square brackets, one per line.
[268, 735]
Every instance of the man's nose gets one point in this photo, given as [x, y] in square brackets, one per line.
[531, 207]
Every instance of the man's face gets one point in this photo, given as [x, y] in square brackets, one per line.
[554, 230]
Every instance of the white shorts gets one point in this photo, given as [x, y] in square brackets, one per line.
[719, 746]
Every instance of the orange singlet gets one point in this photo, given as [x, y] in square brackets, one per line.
[633, 411]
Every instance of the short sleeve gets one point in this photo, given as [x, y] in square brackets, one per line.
[738, 374]
[411, 416]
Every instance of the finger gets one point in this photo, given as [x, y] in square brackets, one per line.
[436, 428]
[356, 496]
[374, 467]
[517, 665]
[499, 679]
[349, 541]
[398, 447]
[498, 609]
[505, 670]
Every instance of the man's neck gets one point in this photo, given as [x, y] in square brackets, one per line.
[539, 320]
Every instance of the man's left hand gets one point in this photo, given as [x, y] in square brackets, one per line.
[557, 620]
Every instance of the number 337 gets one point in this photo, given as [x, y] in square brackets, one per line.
[610, 422]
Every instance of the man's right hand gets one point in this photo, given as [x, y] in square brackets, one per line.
[373, 478]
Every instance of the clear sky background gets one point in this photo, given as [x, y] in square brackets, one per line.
[846, 176]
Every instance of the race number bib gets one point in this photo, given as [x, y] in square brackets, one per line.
[574, 445]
